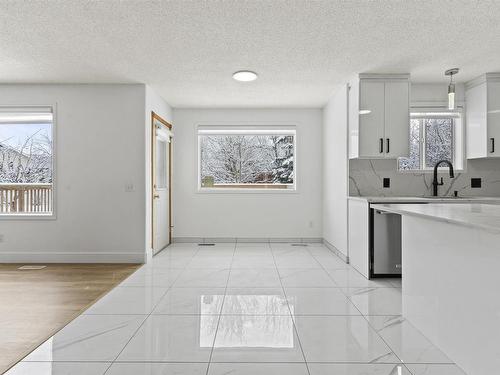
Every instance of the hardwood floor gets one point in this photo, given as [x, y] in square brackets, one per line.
[34, 304]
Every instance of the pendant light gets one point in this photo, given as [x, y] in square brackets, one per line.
[451, 88]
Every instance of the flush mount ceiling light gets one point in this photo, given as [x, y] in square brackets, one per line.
[451, 87]
[245, 76]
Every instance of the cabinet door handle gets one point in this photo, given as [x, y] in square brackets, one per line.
[388, 145]
[381, 150]
[492, 145]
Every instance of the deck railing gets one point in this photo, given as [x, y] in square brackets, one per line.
[26, 198]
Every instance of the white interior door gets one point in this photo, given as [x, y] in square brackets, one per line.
[162, 147]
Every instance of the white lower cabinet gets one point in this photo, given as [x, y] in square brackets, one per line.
[359, 230]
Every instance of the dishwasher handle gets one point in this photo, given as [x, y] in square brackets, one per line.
[378, 212]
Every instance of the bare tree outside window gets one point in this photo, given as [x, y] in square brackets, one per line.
[26, 165]
[25, 153]
[438, 140]
[236, 160]
[413, 161]
[431, 140]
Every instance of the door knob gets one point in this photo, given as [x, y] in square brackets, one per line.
[156, 196]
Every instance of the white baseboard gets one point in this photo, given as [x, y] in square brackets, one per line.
[72, 257]
[247, 240]
[140, 256]
[336, 251]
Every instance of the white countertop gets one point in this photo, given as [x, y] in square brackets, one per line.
[492, 200]
[476, 215]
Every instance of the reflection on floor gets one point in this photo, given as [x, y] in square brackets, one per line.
[37, 303]
[242, 309]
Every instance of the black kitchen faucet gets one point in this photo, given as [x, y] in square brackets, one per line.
[435, 182]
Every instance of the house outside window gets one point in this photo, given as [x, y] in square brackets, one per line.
[237, 157]
[434, 135]
[26, 162]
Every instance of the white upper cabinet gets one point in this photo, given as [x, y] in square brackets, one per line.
[482, 97]
[397, 119]
[494, 118]
[371, 124]
[379, 117]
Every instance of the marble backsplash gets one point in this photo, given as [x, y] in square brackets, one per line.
[366, 179]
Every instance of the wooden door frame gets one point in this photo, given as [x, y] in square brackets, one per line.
[156, 117]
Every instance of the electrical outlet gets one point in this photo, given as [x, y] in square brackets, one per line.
[129, 187]
[311, 224]
[475, 183]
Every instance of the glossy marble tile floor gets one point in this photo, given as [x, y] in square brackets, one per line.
[242, 309]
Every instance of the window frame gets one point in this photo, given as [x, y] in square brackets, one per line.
[240, 128]
[458, 130]
[38, 216]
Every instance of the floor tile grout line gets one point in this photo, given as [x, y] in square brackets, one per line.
[402, 317]
[244, 314]
[379, 335]
[145, 319]
[140, 325]
[364, 317]
[182, 269]
[361, 313]
[167, 289]
[187, 265]
[220, 314]
[340, 287]
[256, 314]
[107, 368]
[250, 362]
[290, 311]
[356, 307]
[146, 315]
[349, 268]
[226, 288]
[331, 278]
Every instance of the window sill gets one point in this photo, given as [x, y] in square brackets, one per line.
[429, 171]
[24, 216]
[245, 191]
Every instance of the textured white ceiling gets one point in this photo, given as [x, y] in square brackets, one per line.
[187, 50]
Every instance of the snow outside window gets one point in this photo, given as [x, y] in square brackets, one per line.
[237, 157]
[26, 161]
[434, 136]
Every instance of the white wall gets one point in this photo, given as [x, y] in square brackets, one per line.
[248, 215]
[100, 148]
[436, 93]
[153, 103]
[335, 171]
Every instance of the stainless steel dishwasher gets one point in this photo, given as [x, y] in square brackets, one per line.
[385, 257]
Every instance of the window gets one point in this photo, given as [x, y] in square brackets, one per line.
[246, 158]
[434, 136]
[26, 161]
